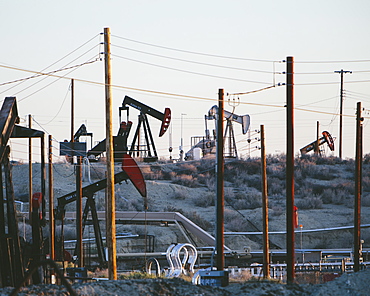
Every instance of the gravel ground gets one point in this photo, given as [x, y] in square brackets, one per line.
[355, 284]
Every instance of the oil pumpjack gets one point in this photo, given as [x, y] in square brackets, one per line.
[120, 142]
[208, 143]
[326, 138]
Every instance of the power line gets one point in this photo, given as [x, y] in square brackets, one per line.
[328, 83]
[326, 72]
[95, 59]
[189, 72]
[74, 69]
[43, 74]
[354, 93]
[193, 52]
[40, 73]
[65, 97]
[197, 62]
[73, 51]
[326, 99]
[254, 91]
[160, 92]
[332, 62]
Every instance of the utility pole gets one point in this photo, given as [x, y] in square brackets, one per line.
[220, 184]
[30, 187]
[51, 202]
[79, 226]
[341, 111]
[290, 223]
[358, 189]
[266, 251]
[72, 109]
[182, 140]
[317, 147]
[111, 208]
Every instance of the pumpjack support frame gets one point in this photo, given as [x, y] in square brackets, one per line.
[130, 171]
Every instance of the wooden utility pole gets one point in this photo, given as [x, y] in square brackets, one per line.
[290, 223]
[266, 249]
[51, 203]
[30, 188]
[358, 189]
[79, 226]
[220, 184]
[43, 176]
[341, 111]
[317, 146]
[111, 209]
[72, 109]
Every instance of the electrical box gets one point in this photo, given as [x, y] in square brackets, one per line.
[215, 278]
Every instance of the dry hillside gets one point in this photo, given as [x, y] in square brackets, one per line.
[324, 194]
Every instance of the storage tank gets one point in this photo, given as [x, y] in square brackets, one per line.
[197, 153]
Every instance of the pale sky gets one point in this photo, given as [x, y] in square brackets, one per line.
[185, 48]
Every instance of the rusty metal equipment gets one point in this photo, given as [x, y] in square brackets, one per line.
[326, 138]
[130, 171]
[12, 265]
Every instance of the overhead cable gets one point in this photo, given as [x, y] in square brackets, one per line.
[193, 52]
[61, 106]
[158, 92]
[234, 58]
[73, 51]
[254, 91]
[47, 84]
[196, 62]
[354, 93]
[95, 59]
[44, 74]
[190, 72]
[331, 62]
[327, 83]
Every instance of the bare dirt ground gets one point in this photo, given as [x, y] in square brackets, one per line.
[355, 284]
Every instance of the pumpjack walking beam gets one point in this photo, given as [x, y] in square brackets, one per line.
[145, 110]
